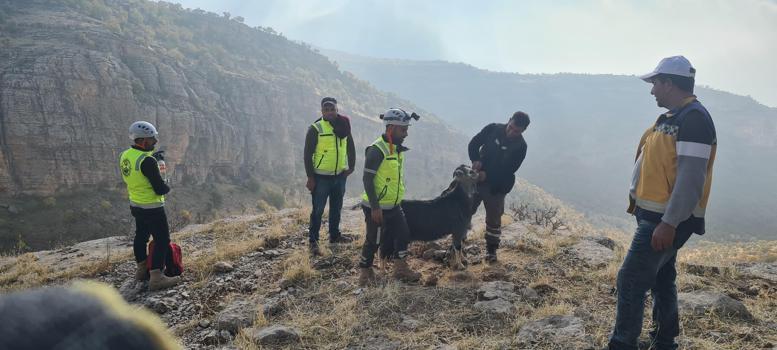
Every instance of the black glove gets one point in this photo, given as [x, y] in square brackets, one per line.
[159, 155]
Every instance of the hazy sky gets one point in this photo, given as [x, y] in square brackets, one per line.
[732, 44]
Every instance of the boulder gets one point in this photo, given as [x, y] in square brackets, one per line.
[701, 302]
[555, 330]
[273, 335]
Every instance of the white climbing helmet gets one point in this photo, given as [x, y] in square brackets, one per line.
[141, 129]
[396, 116]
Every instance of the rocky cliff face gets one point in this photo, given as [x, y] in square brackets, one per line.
[232, 104]
[70, 85]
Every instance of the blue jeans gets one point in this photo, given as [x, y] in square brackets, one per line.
[333, 188]
[646, 270]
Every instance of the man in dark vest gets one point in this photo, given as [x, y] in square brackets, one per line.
[669, 191]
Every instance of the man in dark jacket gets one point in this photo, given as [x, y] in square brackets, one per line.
[497, 152]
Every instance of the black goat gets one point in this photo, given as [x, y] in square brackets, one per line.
[448, 214]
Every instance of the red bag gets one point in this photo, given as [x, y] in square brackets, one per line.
[173, 265]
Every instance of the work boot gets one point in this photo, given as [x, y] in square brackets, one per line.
[403, 272]
[366, 276]
[313, 249]
[491, 254]
[160, 281]
[340, 239]
[141, 273]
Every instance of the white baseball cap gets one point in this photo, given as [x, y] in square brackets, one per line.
[675, 65]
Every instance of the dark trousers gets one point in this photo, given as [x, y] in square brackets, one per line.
[332, 188]
[643, 270]
[151, 223]
[495, 207]
[394, 221]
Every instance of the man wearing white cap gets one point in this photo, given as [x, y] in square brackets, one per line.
[668, 196]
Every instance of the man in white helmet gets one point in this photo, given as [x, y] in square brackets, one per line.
[146, 190]
[384, 189]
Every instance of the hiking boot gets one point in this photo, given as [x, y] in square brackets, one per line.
[403, 272]
[313, 249]
[366, 276]
[490, 254]
[141, 273]
[159, 281]
[340, 239]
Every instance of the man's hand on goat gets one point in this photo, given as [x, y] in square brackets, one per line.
[476, 165]
[377, 216]
[482, 176]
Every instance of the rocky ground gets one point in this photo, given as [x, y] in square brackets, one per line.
[251, 284]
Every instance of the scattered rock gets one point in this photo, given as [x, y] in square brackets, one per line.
[605, 241]
[554, 330]
[496, 306]
[211, 337]
[377, 343]
[497, 290]
[530, 295]
[225, 336]
[273, 335]
[272, 307]
[544, 289]
[238, 314]
[700, 302]
[592, 254]
[514, 232]
[130, 289]
[204, 324]
[472, 250]
[159, 306]
[272, 242]
[13, 209]
[223, 267]
[408, 324]
[582, 313]
[430, 280]
[445, 347]
[434, 254]
[702, 270]
[766, 271]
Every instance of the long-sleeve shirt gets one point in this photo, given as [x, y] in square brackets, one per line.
[150, 169]
[311, 140]
[501, 156]
[372, 159]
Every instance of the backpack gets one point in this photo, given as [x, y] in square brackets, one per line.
[173, 265]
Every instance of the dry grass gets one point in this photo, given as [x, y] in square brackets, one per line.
[297, 269]
[25, 272]
[730, 253]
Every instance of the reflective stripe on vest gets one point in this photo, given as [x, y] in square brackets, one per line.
[388, 182]
[330, 156]
[141, 194]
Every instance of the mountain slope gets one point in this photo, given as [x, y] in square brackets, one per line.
[247, 273]
[232, 104]
[585, 130]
